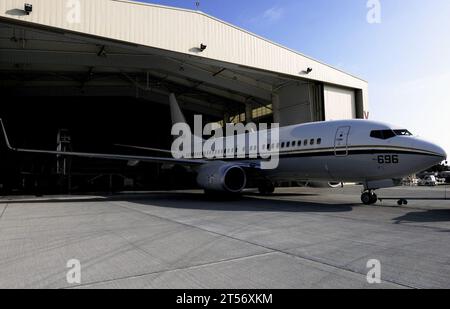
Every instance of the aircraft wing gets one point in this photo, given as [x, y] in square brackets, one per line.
[128, 158]
[145, 148]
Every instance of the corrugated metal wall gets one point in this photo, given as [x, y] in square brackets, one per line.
[340, 104]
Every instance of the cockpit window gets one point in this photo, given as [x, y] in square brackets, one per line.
[402, 133]
[382, 134]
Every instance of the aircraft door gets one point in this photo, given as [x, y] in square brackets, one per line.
[341, 141]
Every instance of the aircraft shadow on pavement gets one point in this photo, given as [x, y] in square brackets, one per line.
[280, 194]
[245, 203]
[432, 215]
[200, 201]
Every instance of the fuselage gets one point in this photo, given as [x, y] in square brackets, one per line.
[343, 151]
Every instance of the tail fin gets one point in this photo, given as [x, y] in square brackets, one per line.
[177, 114]
[178, 117]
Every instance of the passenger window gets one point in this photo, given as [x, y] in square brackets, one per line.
[311, 142]
[319, 141]
[305, 142]
[288, 144]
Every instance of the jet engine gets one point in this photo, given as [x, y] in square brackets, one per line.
[222, 177]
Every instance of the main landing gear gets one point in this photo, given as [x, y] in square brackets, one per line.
[369, 197]
[266, 188]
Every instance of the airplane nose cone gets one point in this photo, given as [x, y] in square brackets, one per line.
[444, 154]
[438, 150]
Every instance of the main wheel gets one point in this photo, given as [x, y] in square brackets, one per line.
[369, 198]
[266, 189]
[366, 199]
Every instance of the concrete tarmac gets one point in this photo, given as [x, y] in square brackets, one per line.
[297, 238]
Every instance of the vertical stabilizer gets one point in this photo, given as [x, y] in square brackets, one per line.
[175, 110]
[178, 117]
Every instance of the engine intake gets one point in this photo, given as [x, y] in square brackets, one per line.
[222, 177]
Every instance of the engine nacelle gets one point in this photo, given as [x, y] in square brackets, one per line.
[222, 177]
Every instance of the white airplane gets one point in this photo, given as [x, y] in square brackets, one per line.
[372, 153]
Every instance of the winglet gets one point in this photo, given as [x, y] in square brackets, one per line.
[5, 135]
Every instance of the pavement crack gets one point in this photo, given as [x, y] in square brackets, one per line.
[270, 249]
[3, 211]
[171, 270]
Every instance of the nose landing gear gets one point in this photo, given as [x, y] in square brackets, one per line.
[369, 197]
[402, 202]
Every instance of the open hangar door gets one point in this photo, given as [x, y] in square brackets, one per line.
[41, 118]
[94, 93]
[81, 124]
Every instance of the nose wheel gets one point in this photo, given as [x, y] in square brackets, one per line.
[369, 198]
[402, 202]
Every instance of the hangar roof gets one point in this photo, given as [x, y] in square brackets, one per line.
[162, 43]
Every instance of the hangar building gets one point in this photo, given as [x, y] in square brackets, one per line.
[88, 75]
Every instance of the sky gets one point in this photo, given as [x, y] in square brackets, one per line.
[405, 55]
